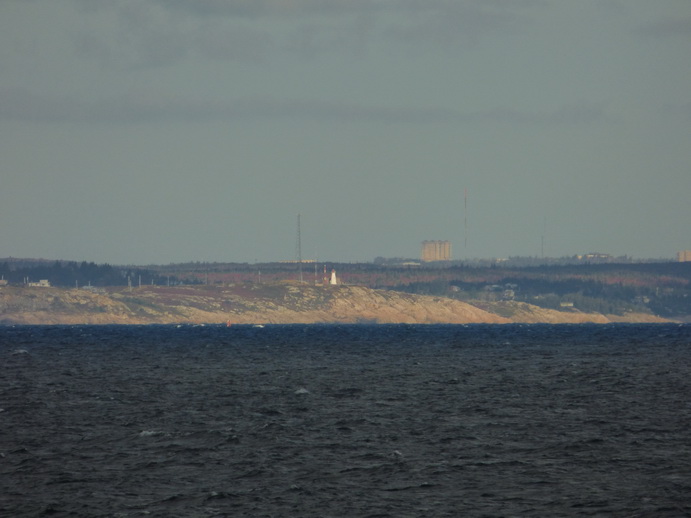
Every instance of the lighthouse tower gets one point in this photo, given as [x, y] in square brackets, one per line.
[333, 280]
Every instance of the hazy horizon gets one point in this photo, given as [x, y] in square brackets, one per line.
[160, 131]
[511, 261]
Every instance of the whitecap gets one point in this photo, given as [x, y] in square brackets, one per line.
[149, 433]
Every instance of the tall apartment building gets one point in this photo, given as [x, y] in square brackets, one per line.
[436, 251]
[684, 256]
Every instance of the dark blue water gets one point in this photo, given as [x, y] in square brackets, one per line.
[368, 420]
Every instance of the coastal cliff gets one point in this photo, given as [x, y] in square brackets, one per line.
[279, 303]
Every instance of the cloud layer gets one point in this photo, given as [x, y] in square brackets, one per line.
[192, 128]
[22, 105]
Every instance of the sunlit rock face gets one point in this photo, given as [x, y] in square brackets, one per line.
[280, 303]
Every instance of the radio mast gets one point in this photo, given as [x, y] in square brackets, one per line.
[298, 249]
[465, 218]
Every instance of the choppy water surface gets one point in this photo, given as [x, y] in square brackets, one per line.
[353, 421]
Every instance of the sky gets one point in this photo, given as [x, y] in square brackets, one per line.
[165, 131]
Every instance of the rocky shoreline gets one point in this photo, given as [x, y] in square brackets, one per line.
[277, 303]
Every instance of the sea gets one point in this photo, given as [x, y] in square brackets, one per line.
[345, 420]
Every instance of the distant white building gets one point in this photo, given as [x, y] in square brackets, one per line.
[684, 256]
[43, 283]
[93, 289]
[333, 280]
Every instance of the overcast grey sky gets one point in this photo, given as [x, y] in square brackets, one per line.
[158, 131]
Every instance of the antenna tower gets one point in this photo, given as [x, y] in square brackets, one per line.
[465, 218]
[298, 249]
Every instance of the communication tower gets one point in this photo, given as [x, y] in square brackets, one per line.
[298, 249]
[465, 218]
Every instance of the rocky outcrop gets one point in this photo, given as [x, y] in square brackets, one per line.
[280, 303]
[521, 312]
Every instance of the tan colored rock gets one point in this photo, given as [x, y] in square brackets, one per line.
[281, 303]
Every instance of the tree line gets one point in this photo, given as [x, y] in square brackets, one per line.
[75, 274]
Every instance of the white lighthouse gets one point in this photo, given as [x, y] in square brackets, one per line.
[333, 280]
